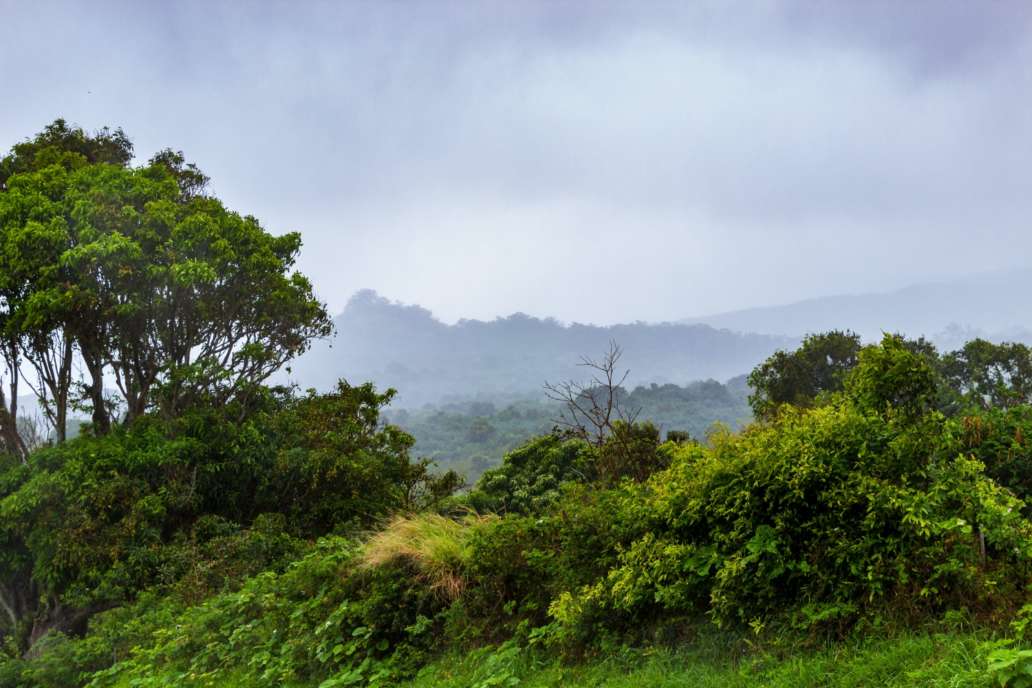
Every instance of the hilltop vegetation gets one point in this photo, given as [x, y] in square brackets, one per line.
[430, 362]
[870, 527]
[473, 436]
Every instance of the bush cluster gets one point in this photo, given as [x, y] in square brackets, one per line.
[868, 508]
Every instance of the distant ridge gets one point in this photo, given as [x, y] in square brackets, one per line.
[993, 304]
[428, 361]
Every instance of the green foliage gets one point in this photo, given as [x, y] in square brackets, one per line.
[892, 377]
[1011, 667]
[178, 552]
[326, 621]
[817, 367]
[66, 146]
[830, 514]
[981, 375]
[337, 464]
[142, 276]
[473, 437]
[531, 477]
[909, 661]
[195, 504]
[1000, 438]
[990, 375]
[630, 451]
[678, 436]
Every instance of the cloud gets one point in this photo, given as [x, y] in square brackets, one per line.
[602, 162]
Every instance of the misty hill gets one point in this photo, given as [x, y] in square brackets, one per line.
[994, 305]
[428, 361]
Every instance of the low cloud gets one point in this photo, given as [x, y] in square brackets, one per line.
[593, 162]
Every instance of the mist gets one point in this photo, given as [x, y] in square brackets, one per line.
[604, 163]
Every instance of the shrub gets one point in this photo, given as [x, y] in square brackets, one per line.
[830, 507]
[531, 477]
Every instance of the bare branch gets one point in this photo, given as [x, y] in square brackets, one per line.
[591, 408]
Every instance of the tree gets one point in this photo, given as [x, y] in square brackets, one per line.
[531, 477]
[589, 409]
[595, 411]
[68, 147]
[891, 378]
[143, 277]
[990, 375]
[817, 367]
[27, 250]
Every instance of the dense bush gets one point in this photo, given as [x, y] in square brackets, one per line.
[826, 514]
[531, 477]
[868, 508]
[90, 523]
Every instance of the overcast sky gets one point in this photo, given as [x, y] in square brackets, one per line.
[594, 162]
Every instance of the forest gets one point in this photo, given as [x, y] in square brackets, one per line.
[861, 518]
[472, 436]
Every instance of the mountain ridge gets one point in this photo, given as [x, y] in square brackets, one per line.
[987, 304]
[429, 361]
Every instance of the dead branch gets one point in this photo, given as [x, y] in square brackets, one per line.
[590, 408]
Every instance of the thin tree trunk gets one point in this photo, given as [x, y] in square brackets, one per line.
[101, 417]
[64, 383]
[9, 435]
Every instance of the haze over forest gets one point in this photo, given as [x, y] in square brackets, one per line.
[430, 361]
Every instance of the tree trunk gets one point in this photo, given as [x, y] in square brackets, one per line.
[10, 440]
[101, 417]
[18, 602]
[64, 383]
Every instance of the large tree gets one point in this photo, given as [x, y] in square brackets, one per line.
[990, 375]
[143, 277]
[799, 377]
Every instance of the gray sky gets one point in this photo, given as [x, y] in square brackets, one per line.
[592, 161]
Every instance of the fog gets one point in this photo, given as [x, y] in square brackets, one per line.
[595, 162]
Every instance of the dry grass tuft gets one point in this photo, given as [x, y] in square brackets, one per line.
[434, 544]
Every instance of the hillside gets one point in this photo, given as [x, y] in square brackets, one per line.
[992, 304]
[406, 347]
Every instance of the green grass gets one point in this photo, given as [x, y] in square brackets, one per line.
[907, 661]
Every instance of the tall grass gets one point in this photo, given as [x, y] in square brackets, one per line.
[435, 545]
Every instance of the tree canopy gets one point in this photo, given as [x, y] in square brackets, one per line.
[141, 276]
[800, 376]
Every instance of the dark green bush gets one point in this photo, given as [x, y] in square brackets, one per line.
[195, 503]
[1002, 440]
[531, 477]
